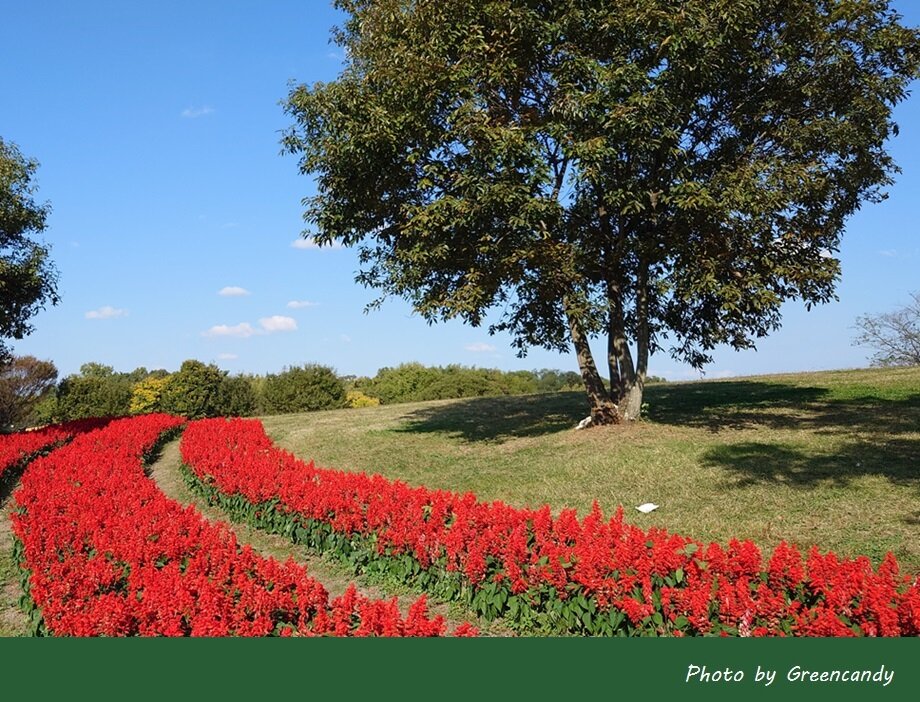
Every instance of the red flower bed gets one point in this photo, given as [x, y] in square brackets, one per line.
[594, 575]
[110, 555]
[15, 448]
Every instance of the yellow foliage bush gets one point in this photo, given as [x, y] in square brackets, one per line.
[356, 398]
[145, 396]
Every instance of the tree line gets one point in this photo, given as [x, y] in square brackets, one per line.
[31, 395]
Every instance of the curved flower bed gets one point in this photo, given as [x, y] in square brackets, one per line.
[108, 554]
[591, 575]
[22, 446]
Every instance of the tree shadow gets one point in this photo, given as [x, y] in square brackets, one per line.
[734, 405]
[758, 463]
[716, 406]
[878, 435]
[728, 404]
[500, 419]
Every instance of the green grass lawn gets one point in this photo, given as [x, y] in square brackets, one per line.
[829, 459]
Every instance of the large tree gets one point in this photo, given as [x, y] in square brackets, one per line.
[28, 281]
[662, 173]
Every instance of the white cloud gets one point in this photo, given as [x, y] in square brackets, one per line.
[194, 112]
[311, 244]
[345, 339]
[277, 323]
[304, 244]
[106, 312]
[300, 304]
[233, 291]
[479, 347]
[889, 253]
[242, 330]
[227, 356]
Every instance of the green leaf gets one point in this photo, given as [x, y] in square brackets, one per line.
[690, 549]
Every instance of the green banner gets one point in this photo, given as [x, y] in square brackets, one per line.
[550, 669]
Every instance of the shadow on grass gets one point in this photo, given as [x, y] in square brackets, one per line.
[499, 419]
[713, 405]
[887, 428]
[716, 406]
[726, 404]
[746, 404]
[756, 463]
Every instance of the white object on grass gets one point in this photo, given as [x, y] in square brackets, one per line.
[647, 507]
[584, 423]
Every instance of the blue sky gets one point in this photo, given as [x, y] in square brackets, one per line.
[157, 127]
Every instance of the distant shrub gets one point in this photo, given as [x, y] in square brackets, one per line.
[146, 395]
[550, 380]
[97, 391]
[303, 389]
[44, 412]
[405, 383]
[236, 397]
[413, 382]
[193, 391]
[356, 398]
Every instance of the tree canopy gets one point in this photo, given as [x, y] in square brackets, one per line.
[664, 174]
[28, 280]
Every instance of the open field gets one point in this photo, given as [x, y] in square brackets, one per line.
[829, 459]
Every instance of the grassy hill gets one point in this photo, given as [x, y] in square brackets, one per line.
[829, 459]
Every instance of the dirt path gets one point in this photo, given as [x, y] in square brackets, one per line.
[13, 622]
[165, 471]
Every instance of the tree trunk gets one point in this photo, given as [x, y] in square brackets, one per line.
[628, 393]
[630, 378]
[632, 401]
[631, 396]
[626, 383]
[603, 409]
